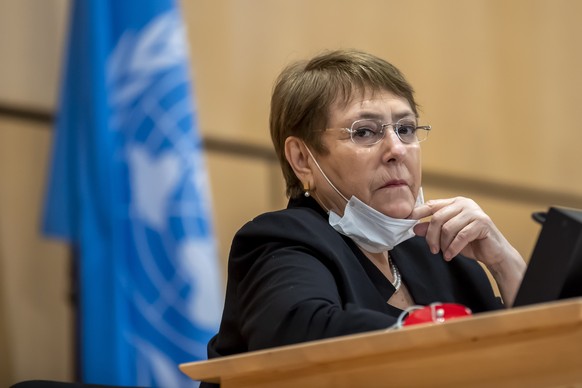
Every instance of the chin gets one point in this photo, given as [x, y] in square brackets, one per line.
[396, 206]
[402, 211]
[401, 215]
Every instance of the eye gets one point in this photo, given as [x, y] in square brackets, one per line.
[366, 132]
[406, 131]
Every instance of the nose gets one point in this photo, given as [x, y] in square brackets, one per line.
[394, 148]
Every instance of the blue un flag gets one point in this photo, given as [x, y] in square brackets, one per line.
[128, 188]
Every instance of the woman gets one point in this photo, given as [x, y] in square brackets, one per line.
[348, 254]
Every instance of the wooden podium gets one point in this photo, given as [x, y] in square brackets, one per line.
[537, 346]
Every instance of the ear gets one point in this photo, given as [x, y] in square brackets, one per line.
[298, 157]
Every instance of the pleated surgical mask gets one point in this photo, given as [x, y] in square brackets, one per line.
[370, 229]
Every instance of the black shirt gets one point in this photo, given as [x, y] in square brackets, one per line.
[292, 278]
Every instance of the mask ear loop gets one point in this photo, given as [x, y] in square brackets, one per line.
[322, 173]
[420, 197]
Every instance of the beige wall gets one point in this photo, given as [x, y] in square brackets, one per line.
[34, 282]
[498, 80]
[31, 47]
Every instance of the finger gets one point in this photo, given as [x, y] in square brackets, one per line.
[434, 235]
[470, 233]
[456, 220]
[429, 208]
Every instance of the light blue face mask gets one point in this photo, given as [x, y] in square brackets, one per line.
[373, 231]
[370, 229]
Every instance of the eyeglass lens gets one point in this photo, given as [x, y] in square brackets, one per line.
[368, 132]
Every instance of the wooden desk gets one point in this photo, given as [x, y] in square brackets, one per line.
[537, 346]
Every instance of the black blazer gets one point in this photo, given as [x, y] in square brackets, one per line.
[293, 278]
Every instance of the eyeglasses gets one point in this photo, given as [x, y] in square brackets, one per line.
[369, 132]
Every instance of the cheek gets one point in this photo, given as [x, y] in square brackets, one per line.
[414, 161]
[352, 175]
[344, 172]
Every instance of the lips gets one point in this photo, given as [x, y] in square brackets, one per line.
[394, 183]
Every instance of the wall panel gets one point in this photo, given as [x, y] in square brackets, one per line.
[34, 279]
[498, 80]
[241, 188]
[31, 47]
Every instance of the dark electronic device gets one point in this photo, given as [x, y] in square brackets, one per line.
[555, 268]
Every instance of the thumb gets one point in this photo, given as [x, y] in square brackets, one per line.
[420, 229]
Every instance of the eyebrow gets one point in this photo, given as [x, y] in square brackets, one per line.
[403, 115]
[378, 116]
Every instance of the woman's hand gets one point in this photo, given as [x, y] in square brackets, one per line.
[460, 226]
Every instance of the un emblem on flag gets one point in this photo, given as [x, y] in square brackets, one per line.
[172, 281]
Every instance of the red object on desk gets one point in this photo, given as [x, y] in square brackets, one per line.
[436, 313]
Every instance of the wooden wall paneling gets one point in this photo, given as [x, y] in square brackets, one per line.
[34, 275]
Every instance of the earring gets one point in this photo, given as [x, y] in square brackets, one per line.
[306, 189]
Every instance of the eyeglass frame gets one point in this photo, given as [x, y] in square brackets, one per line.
[395, 127]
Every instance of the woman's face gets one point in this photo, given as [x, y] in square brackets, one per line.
[386, 175]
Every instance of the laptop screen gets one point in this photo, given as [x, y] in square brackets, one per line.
[555, 267]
